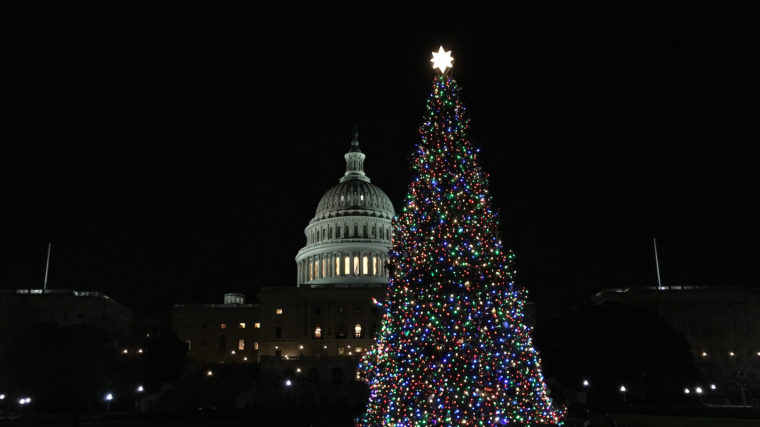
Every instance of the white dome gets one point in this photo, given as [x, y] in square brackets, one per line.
[352, 197]
[348, 240]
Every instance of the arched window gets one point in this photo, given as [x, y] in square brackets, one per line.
[313, 375]
[337, 266]
[374, 231]
[316, 269]
[374, 265]
[347, 266]
[324, 267]
[345, 231]
[318, 332]
[365, 265]
[356, 230]
[364, 230]
[381, 233]
[356, 265]
[324, 234]
[337, 376]
[329, 233]
[341, 332]
[357, 330]
[337, 232]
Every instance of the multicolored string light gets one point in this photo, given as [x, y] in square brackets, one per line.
[453, 348]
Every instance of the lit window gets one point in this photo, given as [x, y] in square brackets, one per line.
[324, 267]
[242, 325]
[374, 266]
[356, 265]
[241, 345]
[278, 311]
[337, 266]
[255, 345]
[347, 266]
[257, 325]
[361, 197]
[357, 331]
[365, 265]
[223, 326]
[318, 332]
[316, 269]
[358, 349]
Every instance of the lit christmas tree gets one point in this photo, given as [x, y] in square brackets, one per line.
[453, 348]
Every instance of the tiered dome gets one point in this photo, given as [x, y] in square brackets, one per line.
[354, 196]
[348, 239]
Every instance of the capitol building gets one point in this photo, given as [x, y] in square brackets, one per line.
[328, 318]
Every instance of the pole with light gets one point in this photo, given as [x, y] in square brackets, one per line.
[108, 398]
[288, 385]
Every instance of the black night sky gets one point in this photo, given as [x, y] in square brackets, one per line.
[174, 153]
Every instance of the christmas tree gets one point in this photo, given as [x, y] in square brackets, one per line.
[453, 348]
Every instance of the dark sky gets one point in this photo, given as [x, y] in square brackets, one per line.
[172, 154]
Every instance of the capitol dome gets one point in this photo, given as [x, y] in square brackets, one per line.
[348, 240]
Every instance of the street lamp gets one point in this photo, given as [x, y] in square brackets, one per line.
[623, 390]
[108, 398]
[712, 387]
[686, 391]
[2, 396]
[699, 393]
[140, 389]
[585, 383]
[23, 402]
[209, 373]
[288, 384]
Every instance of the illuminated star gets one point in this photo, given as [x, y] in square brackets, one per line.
[442, 60]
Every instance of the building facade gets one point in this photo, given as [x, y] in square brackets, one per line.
[64, 308]
[218, 333]
[714, 320]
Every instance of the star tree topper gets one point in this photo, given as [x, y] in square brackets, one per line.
[442, 60]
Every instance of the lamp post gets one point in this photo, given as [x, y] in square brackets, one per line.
[23, 401]
[288, 385]
[108, 399]
[138, 400]
[699, 393]
[623, 390]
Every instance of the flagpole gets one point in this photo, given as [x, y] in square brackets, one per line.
[47, 267]
[657, 264]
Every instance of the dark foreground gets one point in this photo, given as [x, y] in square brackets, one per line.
[334, 419]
